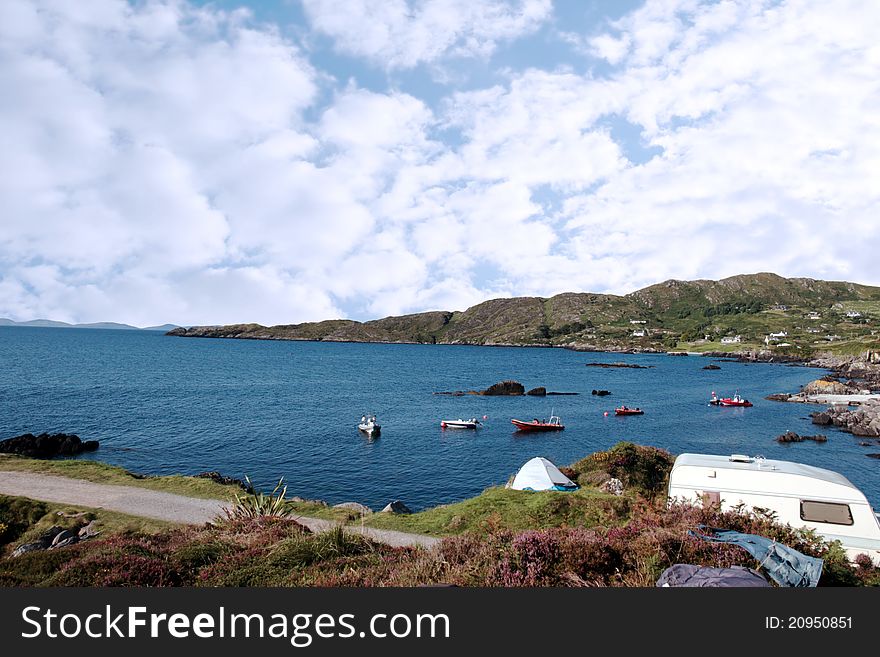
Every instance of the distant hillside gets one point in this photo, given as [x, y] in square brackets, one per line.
[813, 315]
[49, 323]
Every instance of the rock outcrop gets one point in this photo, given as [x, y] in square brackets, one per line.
[540, 391]
[356, 507]
[630, 366]
[47, 446]
[862, 420]
[226, 481]
[792, 437]
[509, 388]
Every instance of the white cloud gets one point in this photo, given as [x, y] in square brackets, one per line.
[405, 33]
[164, 162]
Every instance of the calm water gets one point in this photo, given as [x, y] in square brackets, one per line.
[163, 405]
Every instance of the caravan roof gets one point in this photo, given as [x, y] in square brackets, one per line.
[787, 478]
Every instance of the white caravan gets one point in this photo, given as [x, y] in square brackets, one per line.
[801, 496]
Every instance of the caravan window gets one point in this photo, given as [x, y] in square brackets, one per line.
[830, 512]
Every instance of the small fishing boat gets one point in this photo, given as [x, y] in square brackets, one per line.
[473, 423]
[553, 424]
[736, 400]
[369, 425]
[624, 410]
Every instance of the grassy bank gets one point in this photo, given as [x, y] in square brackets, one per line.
[101, 473]
[515, 510]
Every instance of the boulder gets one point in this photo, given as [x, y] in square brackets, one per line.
[88, 531]
[60, 537]
[822, 419]
[357, 507]
[46, 446]
[540, 391]
[601, 393]
[396, 507]
[712, 367]
[826, 387]
[213, 475]
[613, 486]
[28, 547]
[792, 437]
[512, 388]
[778, 396]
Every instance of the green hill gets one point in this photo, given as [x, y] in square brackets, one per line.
[814, 315]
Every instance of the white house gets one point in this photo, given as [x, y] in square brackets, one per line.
[731, 339]
[800, 495]
[814, 315]
[638, 334]
[638, 321]
[852, 314]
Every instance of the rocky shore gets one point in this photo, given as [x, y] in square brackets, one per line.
[47, 446]
[863, 420]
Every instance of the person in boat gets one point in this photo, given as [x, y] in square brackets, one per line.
[535, 420]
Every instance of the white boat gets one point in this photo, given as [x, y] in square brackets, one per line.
[473, 423]
[369, 425]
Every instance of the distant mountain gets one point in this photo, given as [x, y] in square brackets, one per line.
[49, 323]
[669, 315]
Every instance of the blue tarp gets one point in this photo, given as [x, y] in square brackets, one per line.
[786, 566]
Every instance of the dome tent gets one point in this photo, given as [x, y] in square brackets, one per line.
[541, 474]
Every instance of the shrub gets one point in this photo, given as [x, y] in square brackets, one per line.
[255, 506]
[645, 469]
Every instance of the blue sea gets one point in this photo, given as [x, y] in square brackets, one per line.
[271, 409]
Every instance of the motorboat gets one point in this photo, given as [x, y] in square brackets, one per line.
[553, 424]
[369, 425]
[624, 410]
[736, 400]
[473, 423]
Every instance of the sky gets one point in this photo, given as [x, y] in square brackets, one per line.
[280, 162]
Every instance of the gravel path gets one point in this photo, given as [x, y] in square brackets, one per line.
[162, 506]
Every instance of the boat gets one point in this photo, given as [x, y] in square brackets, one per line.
[624, 410]
[714, 401]
[553, 424]
[736, 400]
[473, 423]
[369, 425]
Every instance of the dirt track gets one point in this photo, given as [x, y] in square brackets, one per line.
[161, 506]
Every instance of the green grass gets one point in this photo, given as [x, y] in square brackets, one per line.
[102, 473]
[26, 519]
[511, 509]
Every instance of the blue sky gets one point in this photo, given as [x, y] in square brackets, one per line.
[278, 162]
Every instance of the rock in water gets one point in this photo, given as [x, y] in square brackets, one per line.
[540, 391]
[46, 446]
[712, 367]
[396, 507]
[505, 388]
[792, 437]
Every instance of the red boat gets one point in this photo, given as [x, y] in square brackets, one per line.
[736, 400]
[623, 410]
[553, 424]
